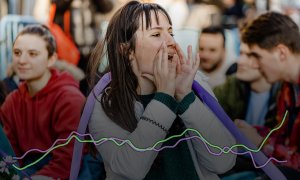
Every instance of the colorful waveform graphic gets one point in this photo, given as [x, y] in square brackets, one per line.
[121, 142]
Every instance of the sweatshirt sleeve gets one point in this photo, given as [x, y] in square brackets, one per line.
[67, 111]
[200, 117]
[6, 112]
[123, 160]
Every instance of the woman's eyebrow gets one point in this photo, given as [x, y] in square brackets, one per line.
[160, 28]
[33, 50]
[156, 28]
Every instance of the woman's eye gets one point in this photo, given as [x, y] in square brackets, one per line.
[172, 34]
[156, 35]
[17, 53]
[32, 54]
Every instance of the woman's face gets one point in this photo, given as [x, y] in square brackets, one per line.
[149, 41]
[30, 57]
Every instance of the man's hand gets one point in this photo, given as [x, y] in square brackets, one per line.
[249, 131]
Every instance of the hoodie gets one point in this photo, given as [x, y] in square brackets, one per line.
[37, 122]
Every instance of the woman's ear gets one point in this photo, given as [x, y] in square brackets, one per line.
[52, 60]
[124, 48]
[131, 55]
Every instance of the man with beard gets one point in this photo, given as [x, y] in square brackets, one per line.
[212, 54]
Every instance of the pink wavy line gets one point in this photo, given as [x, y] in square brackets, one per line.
[157, 150]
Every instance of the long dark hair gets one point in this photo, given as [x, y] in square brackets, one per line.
[119, 97]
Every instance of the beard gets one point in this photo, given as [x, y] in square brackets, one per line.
[213, 67]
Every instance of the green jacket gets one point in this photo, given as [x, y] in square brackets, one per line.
[234, 96]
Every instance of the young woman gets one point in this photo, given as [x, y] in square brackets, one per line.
[150, 98]
[46, 106]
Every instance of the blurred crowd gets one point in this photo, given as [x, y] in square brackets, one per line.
[219, 31]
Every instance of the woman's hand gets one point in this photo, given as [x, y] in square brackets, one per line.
[186, 70]
[164, 73]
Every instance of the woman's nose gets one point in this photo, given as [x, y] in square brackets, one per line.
[22, 58]
[170, 41]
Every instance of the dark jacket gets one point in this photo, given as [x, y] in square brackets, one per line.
[234, 96]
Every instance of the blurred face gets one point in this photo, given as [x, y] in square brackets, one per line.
[228, 3]
[30, 57]
[149, 41]
[211, 51]
[269, 63]
[248, 69]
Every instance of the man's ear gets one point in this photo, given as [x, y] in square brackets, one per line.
[284, 52]
[52, 60]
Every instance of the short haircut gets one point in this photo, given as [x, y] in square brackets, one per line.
[214, 30]
[43, 32]
[271, 29]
